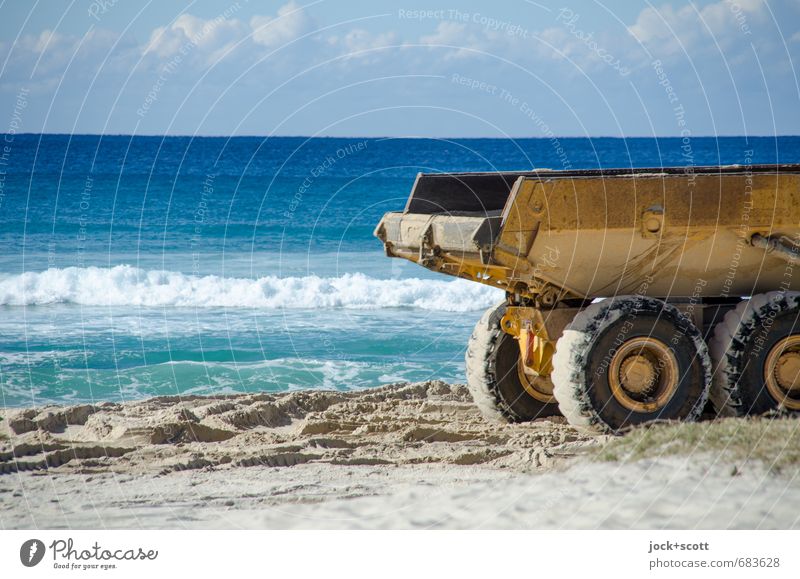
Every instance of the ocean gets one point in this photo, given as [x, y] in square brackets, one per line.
[144, 266]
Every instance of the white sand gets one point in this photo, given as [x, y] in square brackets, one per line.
[408, 456]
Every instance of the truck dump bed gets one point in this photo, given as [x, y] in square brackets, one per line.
[691, 232]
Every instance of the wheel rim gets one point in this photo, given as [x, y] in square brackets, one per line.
[643, 374]
[782, 372]
[539, 387]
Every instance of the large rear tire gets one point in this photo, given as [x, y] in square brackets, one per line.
[627, 361]
[499, 387]
[756, 350]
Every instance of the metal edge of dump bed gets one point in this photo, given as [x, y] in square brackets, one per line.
[484, 193]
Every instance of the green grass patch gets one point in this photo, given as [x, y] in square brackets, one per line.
[775, 442]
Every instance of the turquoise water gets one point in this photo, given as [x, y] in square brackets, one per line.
[133, 267]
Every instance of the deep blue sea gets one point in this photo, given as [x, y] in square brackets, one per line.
[140, 266]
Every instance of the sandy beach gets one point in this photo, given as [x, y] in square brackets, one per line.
[401, 456]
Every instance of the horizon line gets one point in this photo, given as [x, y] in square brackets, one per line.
[387, 137]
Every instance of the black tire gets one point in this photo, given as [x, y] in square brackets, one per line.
[741, 347]
[587, 352]
[492, 375]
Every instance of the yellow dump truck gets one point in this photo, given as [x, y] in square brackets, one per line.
[632, 295]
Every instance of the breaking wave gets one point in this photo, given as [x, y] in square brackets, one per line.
[124, 285]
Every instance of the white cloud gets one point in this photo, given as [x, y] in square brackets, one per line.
[47, 45]
[447, 33]
[291, 22]
[45, 39]
[457, 34]
[48, 57]
[189, 31]
[362, 44]
[215, 38]
[672, 30]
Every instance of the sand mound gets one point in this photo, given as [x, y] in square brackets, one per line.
[424, 423]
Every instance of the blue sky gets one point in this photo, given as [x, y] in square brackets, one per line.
[468, 69]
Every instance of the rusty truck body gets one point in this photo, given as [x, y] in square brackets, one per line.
[631, 294]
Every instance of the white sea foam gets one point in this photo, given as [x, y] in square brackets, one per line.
[125, 285]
